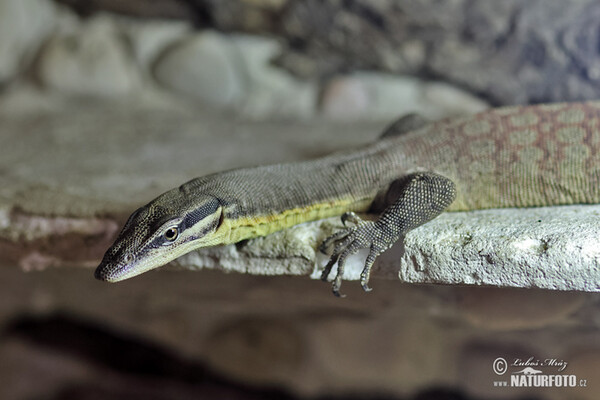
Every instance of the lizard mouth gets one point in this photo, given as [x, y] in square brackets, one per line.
[107, 272]
[113, 272]
[100, 273]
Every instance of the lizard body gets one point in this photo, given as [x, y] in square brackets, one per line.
[506, 157]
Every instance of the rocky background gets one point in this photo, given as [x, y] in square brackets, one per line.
[104, 104]
[505, 52]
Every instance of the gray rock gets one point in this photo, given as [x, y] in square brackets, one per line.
[367, 95]
[271, 91]
[345, 98]
[205, 66]
[442, 99]
[24, 25]
[90, 62]
[505, 51]
[235, 71]
[547, 247]
[148, 38]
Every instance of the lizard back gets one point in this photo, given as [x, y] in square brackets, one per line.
[520, 156]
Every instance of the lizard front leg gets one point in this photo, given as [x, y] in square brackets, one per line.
[418, 198]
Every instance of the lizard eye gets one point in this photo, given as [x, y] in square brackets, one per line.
[171, 234]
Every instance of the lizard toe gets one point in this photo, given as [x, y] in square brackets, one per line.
[346, 242]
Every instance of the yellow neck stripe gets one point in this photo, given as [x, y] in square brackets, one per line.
[260, 225]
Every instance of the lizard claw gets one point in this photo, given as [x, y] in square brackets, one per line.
[337, 282]
[364, 281]
[327, 269]
[348, 241]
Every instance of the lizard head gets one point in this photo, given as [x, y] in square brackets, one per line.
[159, 232]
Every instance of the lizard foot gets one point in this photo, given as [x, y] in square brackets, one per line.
[348, 241]
[419, 198]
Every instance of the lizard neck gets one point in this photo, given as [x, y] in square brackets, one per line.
[240, 228]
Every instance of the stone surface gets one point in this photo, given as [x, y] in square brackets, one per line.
[235, 71]
[443, 99]
[505, 51]
[387, 95]
[508, 52]
[365, 95]
[345, 98]
[92, 61]
[149, 38]
[547, 247]
[271, 91]
[205, 66]
[24, 26]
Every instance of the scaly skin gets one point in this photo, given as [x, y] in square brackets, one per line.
[507, 157]
[515, 156]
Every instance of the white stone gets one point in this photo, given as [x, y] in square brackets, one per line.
[26, 98]
[345, 98]
[235, 71]
[547, 247]
[204, 66]
[149, 38]
[24, 24]
[368, 95]
[271, 91]
[447, 100]
[91, 62]
[381, 96]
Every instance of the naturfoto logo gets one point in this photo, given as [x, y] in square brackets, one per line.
[534, 372]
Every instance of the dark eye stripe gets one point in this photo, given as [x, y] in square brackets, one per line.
[192, 218]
